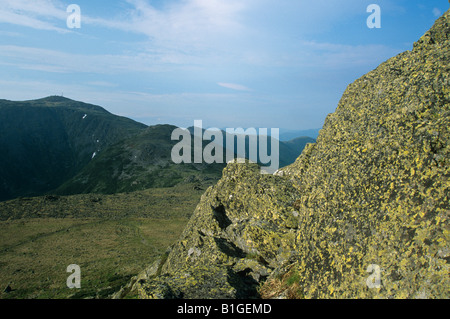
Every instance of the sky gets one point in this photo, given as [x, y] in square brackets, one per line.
[230, 63]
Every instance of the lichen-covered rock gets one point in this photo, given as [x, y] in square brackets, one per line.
[242, 229]
[373, 190]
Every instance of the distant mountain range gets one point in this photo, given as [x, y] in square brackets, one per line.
[287, 135]
[58, 145]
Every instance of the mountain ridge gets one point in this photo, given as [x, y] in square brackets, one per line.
[136, 163]
[46, 141]
[144, 161]
[61, 146]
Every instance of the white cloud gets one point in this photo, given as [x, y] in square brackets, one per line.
[105, 84]
[31, 58]
[37, 14]
[190, 25]
[192, 32]
[234, 86]
[26, 21]
[189, 32]
[190, 18]
[11, 34]
[437, 12]
[44, 8]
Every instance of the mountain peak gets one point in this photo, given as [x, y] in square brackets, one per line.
[61, 101]
[56, 98]
[47, 141]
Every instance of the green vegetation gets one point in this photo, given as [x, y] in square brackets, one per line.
[109, 252]
[373, 189]
[242, 228]
[111, 237]
[128, 201]
[144, 161]
[57, 145]
[45, 142]
[140, 162]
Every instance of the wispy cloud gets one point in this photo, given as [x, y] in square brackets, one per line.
[37, 14]
[437, 12]
[11, 34]
[194, 32]
[105, 84]
[191, 20]
[165, 57]
[178, 32]
[234, 86]
[32, 58]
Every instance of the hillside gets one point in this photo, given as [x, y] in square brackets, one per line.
[136, 163]
[57, 145]
[288, 150]
[291, 150]
[287, 135]
[368, 201]
[44, 142]
[144, 161]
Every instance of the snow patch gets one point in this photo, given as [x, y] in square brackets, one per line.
[93, 155]
[84, 116]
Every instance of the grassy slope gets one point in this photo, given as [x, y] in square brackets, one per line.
[111, 237]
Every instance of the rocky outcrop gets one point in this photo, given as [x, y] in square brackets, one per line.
[372, 193]
[243, 228]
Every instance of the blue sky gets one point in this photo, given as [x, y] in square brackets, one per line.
[231, 63]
